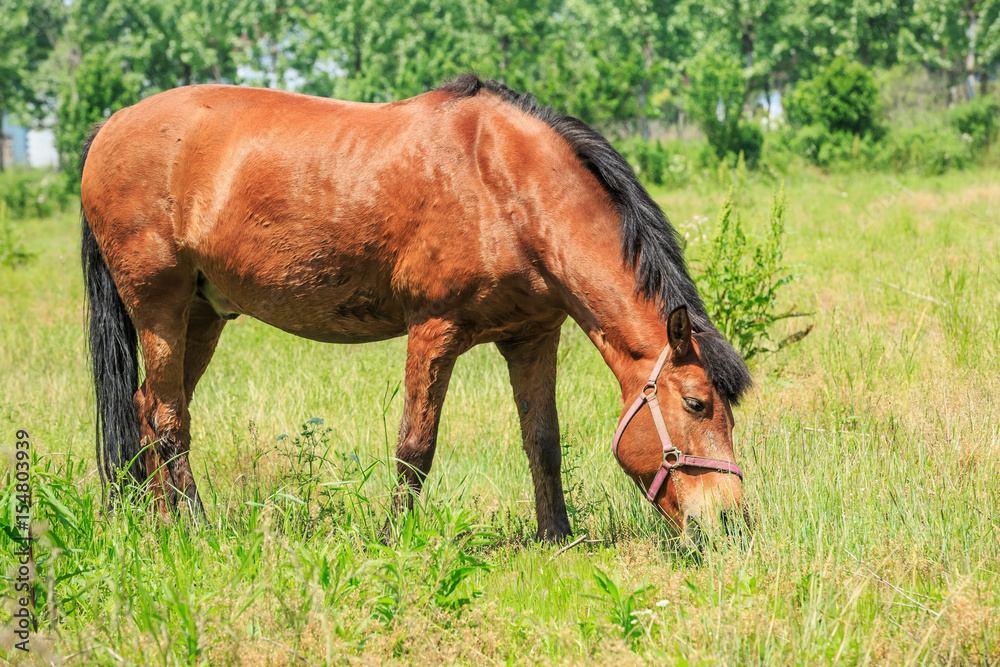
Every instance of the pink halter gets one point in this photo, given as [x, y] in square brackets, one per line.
[673, 458]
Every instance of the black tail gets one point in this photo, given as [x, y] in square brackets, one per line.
[115, 363]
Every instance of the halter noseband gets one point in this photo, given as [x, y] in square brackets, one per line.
[673, 458]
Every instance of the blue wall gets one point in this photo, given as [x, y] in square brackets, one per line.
[20, 137]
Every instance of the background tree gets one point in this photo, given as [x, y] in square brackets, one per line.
[842, 98]
[715, 100]
[200, 38]
[960, 37]
[616, 63]
[99, 86]
[29, 31]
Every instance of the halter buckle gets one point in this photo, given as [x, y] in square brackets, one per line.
[676, 453]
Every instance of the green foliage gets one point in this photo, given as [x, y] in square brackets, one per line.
[623, 610]
[649, 160]
[842, 99]
[833, 150]
[27, 33]
[35, 193]
[930, 148]
[979, 119]
[924, 149]
[431, 558]
[603, 61]
[715, 101]
[100, 86]
[739, 278]
[944, 34]
[611, 63]
[837, 127]
[811, 141]
[747, 141]
[668, 163]
[12, 252]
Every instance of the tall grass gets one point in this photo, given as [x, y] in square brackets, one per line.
[871, 450]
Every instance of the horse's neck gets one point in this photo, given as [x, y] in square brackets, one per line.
[627, 329]
[630, 346]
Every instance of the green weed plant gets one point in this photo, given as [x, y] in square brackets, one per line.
[740, 278]
[12, 251]
[623, 609]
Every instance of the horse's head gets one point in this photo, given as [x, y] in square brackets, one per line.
[676, 440]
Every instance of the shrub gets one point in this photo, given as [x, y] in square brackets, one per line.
[748, 141]
[739, 279]
[927, 150]
[12, 252]
[979, 120]
[810, 140]
[778, 155]
[715, 101]
[35, 192]
[842, 98]
[647, 159]
[836, 115]
[656, 163]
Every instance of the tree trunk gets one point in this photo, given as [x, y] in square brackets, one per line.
[2, 135]
[504, 44]
[643, 120]
[276, 76]
[970, 58]
[647, 53]
[748, 40]
[187, 74]
[357, 51]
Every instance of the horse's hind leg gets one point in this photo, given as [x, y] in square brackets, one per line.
[204, 327]
[156, 472]
[162, 402]
[532, 365]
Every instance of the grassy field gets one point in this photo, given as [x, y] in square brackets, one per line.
[872, 452]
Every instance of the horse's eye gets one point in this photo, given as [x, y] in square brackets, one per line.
[694, 404]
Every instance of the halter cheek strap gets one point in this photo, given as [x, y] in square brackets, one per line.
[673, 458]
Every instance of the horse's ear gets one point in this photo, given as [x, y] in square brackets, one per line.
[679, 331]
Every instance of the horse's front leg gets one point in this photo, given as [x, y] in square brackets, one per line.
[431, 351]
[532, 365]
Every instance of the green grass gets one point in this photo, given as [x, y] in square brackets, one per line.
[872, 452]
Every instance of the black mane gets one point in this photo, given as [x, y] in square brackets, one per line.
[649, 242]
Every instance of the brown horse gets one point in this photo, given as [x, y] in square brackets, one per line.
[462, 216]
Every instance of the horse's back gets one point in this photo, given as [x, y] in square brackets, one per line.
[330, 219]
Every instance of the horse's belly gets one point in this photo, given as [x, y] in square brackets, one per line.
[347, 313]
